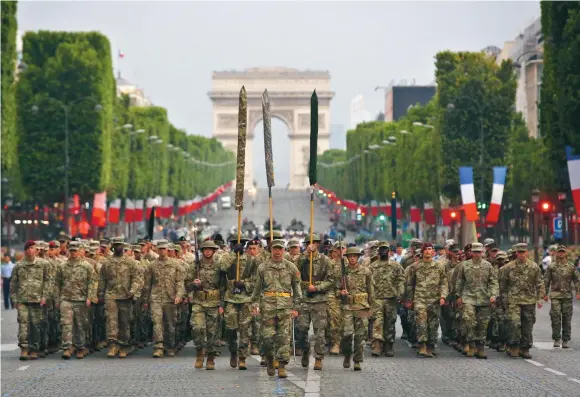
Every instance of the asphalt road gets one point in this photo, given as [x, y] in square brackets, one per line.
[551, 372]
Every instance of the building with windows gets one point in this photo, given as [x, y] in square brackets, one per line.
[527, 53]
[136, 95]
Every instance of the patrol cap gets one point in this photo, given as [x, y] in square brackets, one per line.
[74, 246]
[41, 245]
[94, 243]
[449, 243]
[104, 242]
[492, 247]
[476, 247]
[278, 244]
[418, 252]
[171, 246]
[208, 244]
[340, 245]
[415, 242]
[467, 247]
[293, 243]
[136, 247]
[562, 248]
[63, 237]
[383, 244]
[353, 251]
[275, 234]
[162, 244]
[315, 237]
[502, 255]
[520, 247]
[454, 247]
[176, 247]
[510, 252]
[553, 247]
[488, 241]
[117, 240]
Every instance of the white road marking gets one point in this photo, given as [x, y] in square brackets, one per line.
[312, 388]
[291, 377]
[8, 347]
[555, 372]
[537, 364]
[23, 368]
[544, 345]
[574, 380]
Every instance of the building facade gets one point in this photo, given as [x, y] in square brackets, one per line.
[136, 95]
[399, 99]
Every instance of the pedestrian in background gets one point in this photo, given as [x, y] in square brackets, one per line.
[7, 266]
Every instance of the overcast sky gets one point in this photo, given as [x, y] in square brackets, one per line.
[171, 48]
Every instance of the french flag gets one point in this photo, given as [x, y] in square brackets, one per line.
[115, 211]
[574, 174]
[499, 174]
[468, 193]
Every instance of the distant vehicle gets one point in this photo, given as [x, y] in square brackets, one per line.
[226, 202]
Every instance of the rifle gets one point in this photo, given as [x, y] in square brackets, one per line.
[344, 281]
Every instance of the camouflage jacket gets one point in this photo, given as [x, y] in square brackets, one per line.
[248, 267]
[522, 283]
[120, 278]
[53, 265]
[277, 286]
[322, 277]
[450, 268]
[266, 255]
[389, 280]
[212, 290]
[166, 282]
[30, 281]
[561, 278]
[476, 282]
[151, 256]
[76, 281]
[145, 268]
[426, 283]
[360, 287]
[408, 259]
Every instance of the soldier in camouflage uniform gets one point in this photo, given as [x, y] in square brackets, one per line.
[277, 296]
[206, 295]
[48, 309]
[53, 313]
[314, 297]
[252, 251]
[491, 251]
[238, 299]
[389, 282]
[426, 290]
[76, 291]
[164, 295]
[476, 288]
[410, 313]
[448, 311]
[357, 299]
[29, 289]
[560, 279]
[120, 283]
[334, 307]
[523, 288]
[501, 312]
[294, 250]
[99, 334]
[406, 261]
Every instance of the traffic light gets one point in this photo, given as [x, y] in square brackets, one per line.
[453, 215]
[382, 217]
[545, 206]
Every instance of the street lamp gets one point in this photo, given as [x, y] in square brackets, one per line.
[66, 109]
[419, 124]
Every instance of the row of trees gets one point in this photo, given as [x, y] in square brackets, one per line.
[67, 90]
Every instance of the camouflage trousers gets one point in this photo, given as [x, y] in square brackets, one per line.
[53, 333]
[255, 336]
[446, 321]
[493, 325]
[457, 325]
[412, 325]
[276, 333]
[99, 334]
[238, 318]
[29, 326]
[205, 327]
[561, 316]
[475, 321]
[137, 322]
[74, 317]
[164, 318]
[354, 329]
[119, 313]
[334, 315]
[403, 314]
[502, 324]
[522, 319]
[315, 313]
[185, 332]
[385, 313]
[427, 322]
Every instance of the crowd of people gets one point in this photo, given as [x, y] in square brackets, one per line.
[81, 296]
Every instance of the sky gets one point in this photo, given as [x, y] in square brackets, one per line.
[171, 48]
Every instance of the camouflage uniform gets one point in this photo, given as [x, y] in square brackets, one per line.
[500, 307]
[476, 284]
[165, 286]
[448, 312]
[313, 307]
[426, 284]
[76, 282]
[53, 312]
[407, 260]
[356, 309]
[277, 292]
[29, 286]
[334, 307]
[237, 311]
[389, 282]
[560, 279]
[522, 287]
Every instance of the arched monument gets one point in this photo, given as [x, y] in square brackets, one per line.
[289, 91]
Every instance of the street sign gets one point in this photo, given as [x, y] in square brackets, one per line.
[558, 227]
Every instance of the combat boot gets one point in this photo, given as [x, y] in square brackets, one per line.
[480, 351]
[282, 371]
[80, 354]
[357, 366]
[67, 353]
[113, 350]
[377, 347]
[335, 350]
[422, 350]
[276, 364]
[254, 351]
[565, 345]
[242, 364]
[318, 364]
[305, 358]
[270, 370]
[471, 351]
[429, 351]
[262, 361]
[210, 363]
[526, 354]
[514, 351]
[388, 349]
[33, 355]
[346, 362]
[158, 352]
[557, 343]
[465, 350]
[53, 349]
[500, 347]
[233, 360]
[199, 359]
[123, 352]
[23, 354]
[170, 353]
[102, 344]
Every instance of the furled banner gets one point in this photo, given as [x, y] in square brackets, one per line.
[499, 174]
[468, 193]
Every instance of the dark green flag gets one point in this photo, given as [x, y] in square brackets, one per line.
[313, 138]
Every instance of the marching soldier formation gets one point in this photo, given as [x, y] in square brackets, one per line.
[84, 296]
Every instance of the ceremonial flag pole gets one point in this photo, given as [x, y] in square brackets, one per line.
[312, 167]
[241, 165]
[268, 155]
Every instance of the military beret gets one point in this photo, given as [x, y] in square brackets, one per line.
[29, 243]
[353, 251]
[182, 238]
[278, 244]
[476, 247]
[438, 247]
[425, 246]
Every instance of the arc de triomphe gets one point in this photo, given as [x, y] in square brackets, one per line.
[289, 91]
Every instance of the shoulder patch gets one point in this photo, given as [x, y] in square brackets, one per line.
[297, 274]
